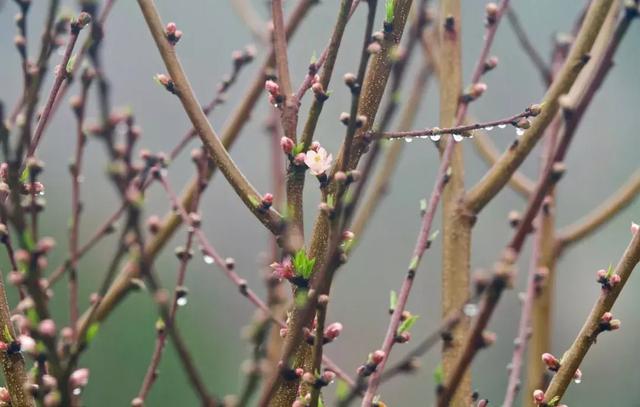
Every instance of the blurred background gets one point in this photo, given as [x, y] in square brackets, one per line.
[603, 155]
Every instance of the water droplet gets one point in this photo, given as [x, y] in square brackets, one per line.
[488, 128]
[502, 126]
[182, 301]
[577, 381]
[77, 391]
[519, 132]
[41, 193]
[423, 137]
[457, 138]
[408, 139]
[435, 137]
[470, 310]
[208, 259]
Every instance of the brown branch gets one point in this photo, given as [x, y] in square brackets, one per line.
[586, 338]
[250, 197]
[528, 47]
[519, 182]
[507, 164]
[599, 216]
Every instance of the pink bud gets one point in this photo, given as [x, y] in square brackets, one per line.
[614, 280]
[299, 372]
[378, 356]
[550, 361]
[47, 328]
[298, 403]
[538, 396]
[634, 228]
[163, 79]
[360, 370]
[478, 89]
[3, 346]
[607, 317]
[348, 235]
[315, 146]
[601, 274]
[4, 395]
[328, 376]
[16, 278]
[333, 331]
[79, 378]
[27, 343]
[286, 144]
[299, 159]
[267, 199]
[483, 403]
[171, 28]
[272, 87]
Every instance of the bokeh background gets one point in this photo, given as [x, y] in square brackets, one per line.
[604, 154]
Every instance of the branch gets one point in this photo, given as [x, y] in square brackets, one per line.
[528, 47]
[599, 216]
[251, 198]
[519, 182]
[592, 326]
[507, 164]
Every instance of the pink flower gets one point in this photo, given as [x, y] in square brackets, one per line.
[318, 161]
[634, 228]
[284, 269]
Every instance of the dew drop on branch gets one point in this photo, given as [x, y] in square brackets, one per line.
[182, 301]
[502, 126]
[208, 259]
[435, 137]
[488, 128]
[519, 132]
[408, 139]
[457, 137]
[470, 310]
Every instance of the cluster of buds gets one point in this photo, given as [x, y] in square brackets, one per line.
[172, 33]
[607, 323]
[320, 381]
[273, 89]
[166, 81]
[607, 279]
[373, 361]
[361, 120]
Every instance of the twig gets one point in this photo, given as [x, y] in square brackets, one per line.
[462, 131]
[528, 47]
[248, 194]
[599, 216]
[586, 338]
[61, 74]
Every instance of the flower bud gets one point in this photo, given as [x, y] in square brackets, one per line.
[345, 117]
[333, 331]
[378, 356]
[491, 11]
[350, 79]
[634, 228]
[490, 63]
[551, 361]
[538, 396]
[47, 328]
[272, 87]
[79, 378]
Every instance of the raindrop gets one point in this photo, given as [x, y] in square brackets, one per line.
[77, 391]
[182, 301]
[470, 310]
[408, 139]
[502, 126]
[435, 137]
[41, 193]
[519, 132]
[423, 137]
[208, 259]
[488, 128]
[457, 138]
[577, 381]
